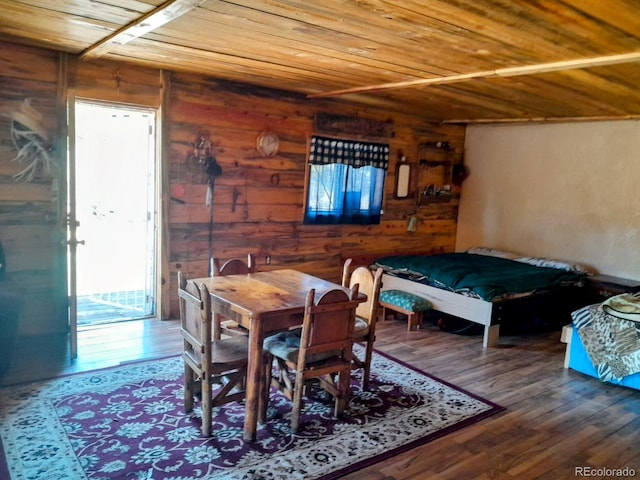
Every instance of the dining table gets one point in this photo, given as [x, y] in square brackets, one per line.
[264, 303]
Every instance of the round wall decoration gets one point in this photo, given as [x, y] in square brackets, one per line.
[267, 143]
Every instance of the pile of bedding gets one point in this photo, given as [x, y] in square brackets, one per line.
[611, 341]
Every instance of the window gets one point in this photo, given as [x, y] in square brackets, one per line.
[346, 181]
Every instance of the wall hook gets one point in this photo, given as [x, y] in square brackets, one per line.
[118, 78]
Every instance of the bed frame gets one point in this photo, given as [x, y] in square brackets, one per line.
[561, 301]
[473, 309]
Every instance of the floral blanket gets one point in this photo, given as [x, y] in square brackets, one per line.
[612, 343]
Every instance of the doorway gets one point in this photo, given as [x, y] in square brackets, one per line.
[115, 213]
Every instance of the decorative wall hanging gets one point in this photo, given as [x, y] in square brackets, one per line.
[338, 124]
[267, 143]
[460, 174]
[202, 147]
[202, 153]
[403, 176]
[29, 138]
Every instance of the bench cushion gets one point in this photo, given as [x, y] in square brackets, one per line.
[405, 300]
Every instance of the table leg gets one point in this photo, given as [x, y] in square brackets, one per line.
[254, 381]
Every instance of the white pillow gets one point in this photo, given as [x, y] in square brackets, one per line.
[551, 263]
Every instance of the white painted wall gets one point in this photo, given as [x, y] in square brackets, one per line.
[567, 191]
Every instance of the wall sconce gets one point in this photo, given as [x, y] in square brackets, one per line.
[412, 224]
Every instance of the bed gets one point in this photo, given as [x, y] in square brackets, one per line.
[603, 341]
[486, 286]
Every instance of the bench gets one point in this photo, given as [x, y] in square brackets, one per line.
[406, 303]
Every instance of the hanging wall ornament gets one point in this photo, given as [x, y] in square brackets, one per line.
[202, 147]
[211, 168]
[267, 143]
[202, 154]
[459, 174]
[29, 138]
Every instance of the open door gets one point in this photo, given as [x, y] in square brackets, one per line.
[71, 224]
[112, 214]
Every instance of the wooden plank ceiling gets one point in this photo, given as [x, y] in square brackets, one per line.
[447, 60]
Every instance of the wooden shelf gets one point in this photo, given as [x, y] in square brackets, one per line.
[442, 146]
[435, 167]
[434, 163]
[429, 199]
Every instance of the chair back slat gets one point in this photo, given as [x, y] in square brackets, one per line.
[195, 314]
[234, 266]
[328, 322]
[370, 283]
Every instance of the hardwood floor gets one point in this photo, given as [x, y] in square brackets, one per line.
[99, 346]
[556, 420]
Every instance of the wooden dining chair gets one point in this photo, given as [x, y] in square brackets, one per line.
[364, 330]
[320, 350]
[208, 362]
[234, 266]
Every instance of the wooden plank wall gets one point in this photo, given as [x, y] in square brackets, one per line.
[258, 202]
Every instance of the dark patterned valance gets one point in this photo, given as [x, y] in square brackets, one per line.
[356, 154]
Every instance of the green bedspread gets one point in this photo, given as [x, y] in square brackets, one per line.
[488, 277]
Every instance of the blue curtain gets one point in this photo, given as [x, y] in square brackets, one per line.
[346, 181]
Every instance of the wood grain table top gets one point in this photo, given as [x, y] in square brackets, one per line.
[260, 294]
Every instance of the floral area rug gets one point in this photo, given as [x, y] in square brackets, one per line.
[128, 423]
